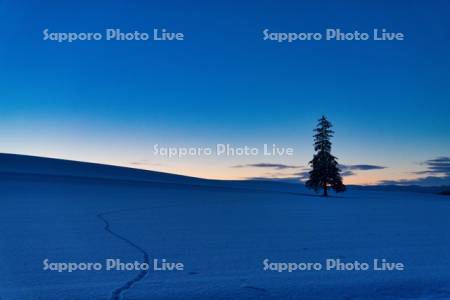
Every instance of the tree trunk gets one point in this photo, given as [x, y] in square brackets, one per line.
[325, 190]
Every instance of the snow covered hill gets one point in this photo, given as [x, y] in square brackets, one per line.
[41, 168]
[221, 231]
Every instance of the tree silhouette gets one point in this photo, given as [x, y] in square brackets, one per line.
[325, 172]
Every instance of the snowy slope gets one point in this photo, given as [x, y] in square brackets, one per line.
[40, 168]
[221, 231]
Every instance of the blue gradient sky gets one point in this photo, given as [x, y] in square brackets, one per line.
[110, 102]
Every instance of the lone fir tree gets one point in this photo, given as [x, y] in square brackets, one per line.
[325, 172]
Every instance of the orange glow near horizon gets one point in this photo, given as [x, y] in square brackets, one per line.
[229, 173]
[224, 170]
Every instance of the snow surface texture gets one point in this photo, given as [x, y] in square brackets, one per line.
[221, 231]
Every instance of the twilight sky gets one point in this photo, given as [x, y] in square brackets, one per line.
[112, 101]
